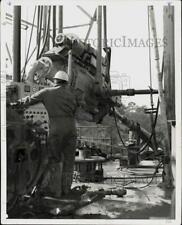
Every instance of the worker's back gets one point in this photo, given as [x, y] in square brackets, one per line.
[60, 101]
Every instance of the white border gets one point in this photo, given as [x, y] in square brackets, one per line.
[177, 221]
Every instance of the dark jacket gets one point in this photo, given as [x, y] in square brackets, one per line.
[59, 101]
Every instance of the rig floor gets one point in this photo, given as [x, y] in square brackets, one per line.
[140, 202]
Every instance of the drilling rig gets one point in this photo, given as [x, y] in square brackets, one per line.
[89, 75]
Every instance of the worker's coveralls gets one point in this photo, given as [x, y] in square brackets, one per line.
[61, 103]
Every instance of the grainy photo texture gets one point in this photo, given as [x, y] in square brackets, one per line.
[90, 118]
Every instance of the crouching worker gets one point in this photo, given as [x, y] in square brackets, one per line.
[60, 102]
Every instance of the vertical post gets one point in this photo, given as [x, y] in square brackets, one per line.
[70, 66]
[169, 78]
[169, 65]
[168, 179]
[54, 25]
[99, 45]
[38, 22]
[17, 44]
[60, 23]
[105, 26]
[46, 26]
[44, 21]
[107, 50]
[39, 28]
[151, 95]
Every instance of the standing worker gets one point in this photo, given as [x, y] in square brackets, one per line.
[61, 103]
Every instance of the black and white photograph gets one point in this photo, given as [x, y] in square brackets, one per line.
[91, 112]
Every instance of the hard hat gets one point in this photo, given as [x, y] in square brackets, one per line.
[61, 75]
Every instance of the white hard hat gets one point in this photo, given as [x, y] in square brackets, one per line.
[61, 75]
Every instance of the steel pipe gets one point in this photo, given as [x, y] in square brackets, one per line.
[17, 44]
[54, 24]
[131, 92]
[60, 21]
[99, 45]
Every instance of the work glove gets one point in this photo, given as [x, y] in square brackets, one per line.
[15, 104]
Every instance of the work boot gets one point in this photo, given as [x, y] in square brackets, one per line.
[53, 181]
[57, 185]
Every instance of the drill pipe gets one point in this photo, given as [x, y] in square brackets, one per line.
[144, 135]
[130, 92]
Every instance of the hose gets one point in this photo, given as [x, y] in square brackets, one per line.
[118, 127]
[156, 116]
[150, 138]
[153, 175]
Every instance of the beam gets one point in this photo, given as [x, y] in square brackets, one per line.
[23, 26]
[60, 28]
[10, 17]
[84, 11]
[91, 25]
[9, 54]
[76, 26]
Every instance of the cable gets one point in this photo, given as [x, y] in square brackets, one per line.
[47, 31]
[29, 43]
[156, 116]
[153, 175]
[118, 127]
[156, 170]
[155, 121]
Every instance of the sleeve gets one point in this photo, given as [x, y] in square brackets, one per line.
[35, 98]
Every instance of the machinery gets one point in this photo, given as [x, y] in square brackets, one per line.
[26, 155]
[96, 94]
[89, 75]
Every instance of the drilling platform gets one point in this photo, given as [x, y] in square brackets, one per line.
[131, 179]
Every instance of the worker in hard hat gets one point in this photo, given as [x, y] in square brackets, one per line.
[60, 102]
